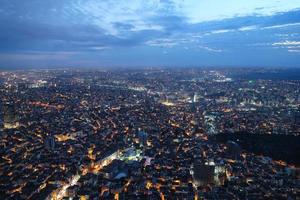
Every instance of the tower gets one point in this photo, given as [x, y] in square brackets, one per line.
[233, 150]
[10, 117]
[195, 97]
[297, 120]
[1, 117]
[50, 143]
[143, 136]
[203, 174]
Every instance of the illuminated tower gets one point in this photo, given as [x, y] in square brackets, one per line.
[10, 117]
[1, 116]
[196, 97]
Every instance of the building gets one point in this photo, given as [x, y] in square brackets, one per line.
[207, 173]
[297, 119]
[202, 174]
[195, 97]
[50, 143]
[10, 117]
[143, 136]
[1, 117]
[1, 125]
[233, 150]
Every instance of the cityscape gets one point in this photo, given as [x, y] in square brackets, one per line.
[149, 100]
[150, 134]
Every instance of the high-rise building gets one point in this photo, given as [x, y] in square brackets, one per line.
[1, 117]
[1, 125]
[202, 174]
[50, 143]
[207, 173]
[10, 117]
[233, 150]
[297, 118]
[196, 97]
[143, 136]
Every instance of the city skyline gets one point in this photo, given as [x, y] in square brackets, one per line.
[149, 99]
[153, 33]
[150, 134]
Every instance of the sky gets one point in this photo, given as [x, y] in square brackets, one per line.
[113, 33]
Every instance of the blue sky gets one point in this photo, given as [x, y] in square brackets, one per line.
[63, 33]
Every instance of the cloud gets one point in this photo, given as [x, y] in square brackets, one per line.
[286, 43]
[294, 50]
[211, 49]
[105, 14]
[290, 46]
[114, 28]
[36, 56]
[221, 31]
[207, 10]
[100, 48]
[281, 26]
[248, 28]
[165, 42]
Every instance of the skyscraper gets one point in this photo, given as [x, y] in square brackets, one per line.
[1, 116]
[207, 173]
[50, 143]
[203, 174]
[10, 117]
[233, 150]
[195, 97]
[142, 138]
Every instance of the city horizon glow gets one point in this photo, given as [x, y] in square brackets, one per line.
[90, 33]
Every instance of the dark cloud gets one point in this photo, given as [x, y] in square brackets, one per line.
[55, 26]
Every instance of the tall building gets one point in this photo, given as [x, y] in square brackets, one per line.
[143, 136]
[1, 125]
[207, 173]
[195, 97]
[233, 150]
[203, 174]
[1, 117]
[297, 118]
[50, 143]
[10, 117]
